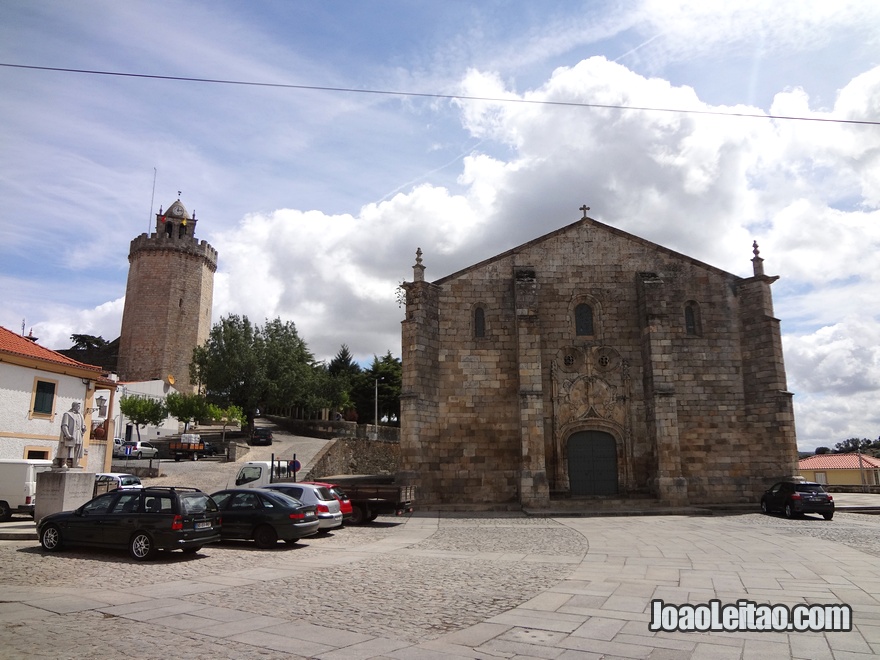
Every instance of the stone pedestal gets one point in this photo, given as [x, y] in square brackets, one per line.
[62, 490]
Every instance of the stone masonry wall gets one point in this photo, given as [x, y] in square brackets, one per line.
[675, 402]
[167, 311]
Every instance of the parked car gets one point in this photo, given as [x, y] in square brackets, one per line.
[144, 520]
[138, 449]
[262, 435]
[210, 449]
[795, 498]
[107, 481]
[117, 447]
[264, 516]
[327, 506]
[341, 497]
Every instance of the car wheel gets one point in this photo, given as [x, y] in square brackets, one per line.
[764, 508]
[265, 537]
[50, 538]
[828, 516]
[373, 515]
[358, 515]
[5, 512]
[141, 547]
[192, 551]
[789, 512]
[139, 455]
[291, 541]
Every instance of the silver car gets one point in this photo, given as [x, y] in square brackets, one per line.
[107, 481]
[329, 513]
[136, 449]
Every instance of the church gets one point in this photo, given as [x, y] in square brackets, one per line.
[592, 364]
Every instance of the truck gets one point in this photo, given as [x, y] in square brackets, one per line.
[189, 446]
[370, 495]
[18, 485]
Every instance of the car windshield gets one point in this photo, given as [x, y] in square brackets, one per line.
[338, 492]
[129, 481]
[809, 488]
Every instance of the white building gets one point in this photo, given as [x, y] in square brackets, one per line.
[37, 386]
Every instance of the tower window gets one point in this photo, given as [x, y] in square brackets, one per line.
[181, 232]
[479, 322]
[692, 319]
[169, 229]
[583, 320]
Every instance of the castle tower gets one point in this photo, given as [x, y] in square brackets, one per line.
[168, 300]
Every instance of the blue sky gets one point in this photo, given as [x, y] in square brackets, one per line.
[316, 200]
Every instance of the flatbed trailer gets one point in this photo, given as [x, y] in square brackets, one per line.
[190, 446]
[373, 495]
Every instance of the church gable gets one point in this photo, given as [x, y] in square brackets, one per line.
[521, 367]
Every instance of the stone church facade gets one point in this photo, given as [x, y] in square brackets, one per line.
[591, 363]
[168, 300]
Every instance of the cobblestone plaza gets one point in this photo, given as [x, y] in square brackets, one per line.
[450, 586]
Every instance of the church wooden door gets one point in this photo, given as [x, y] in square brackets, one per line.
[592, 463]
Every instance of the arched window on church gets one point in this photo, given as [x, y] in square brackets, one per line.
[583, 320]
[692, 319]
[181, 232]
[169, 229]
[479, 322]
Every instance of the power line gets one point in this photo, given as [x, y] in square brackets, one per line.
[456, 97]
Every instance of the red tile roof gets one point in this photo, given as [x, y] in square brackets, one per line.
[14, 344]
[837, 462]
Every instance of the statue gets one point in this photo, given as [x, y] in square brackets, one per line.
[70, 448]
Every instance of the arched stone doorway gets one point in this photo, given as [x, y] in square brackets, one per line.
[592, 463]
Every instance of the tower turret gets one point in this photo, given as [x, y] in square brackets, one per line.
[168, 300]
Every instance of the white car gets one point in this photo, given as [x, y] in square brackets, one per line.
[107, 481]
[135, 449]
[328, 509]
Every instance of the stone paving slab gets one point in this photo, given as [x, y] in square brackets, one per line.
[451, 586]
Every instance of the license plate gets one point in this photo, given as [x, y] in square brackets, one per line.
[203, 525]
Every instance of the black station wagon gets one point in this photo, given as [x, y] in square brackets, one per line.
[144, 521]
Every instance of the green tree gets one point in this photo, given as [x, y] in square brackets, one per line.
[383, 378]
[289, 366]
[822, 450]
[253, 367]
[851, 445]
[84, 342]
[226, 416]
[143, 411]
[186, 408]
[343, 373]
[229, 367]
[343, 364]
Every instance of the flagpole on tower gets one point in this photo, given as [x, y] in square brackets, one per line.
[152, 198]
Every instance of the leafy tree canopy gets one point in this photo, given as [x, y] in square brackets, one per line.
[143, 411]
[258, 367]
[84, 342]
[851, 445]
[343, 364]
[380, 384]
[186, 408]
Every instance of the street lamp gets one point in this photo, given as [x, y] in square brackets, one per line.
[376, 409]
